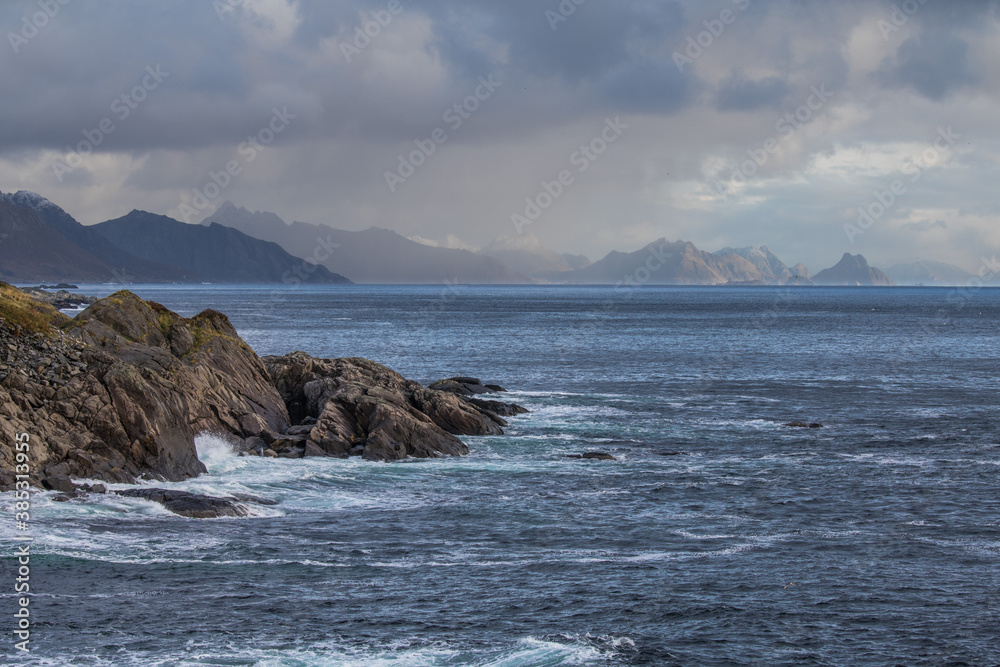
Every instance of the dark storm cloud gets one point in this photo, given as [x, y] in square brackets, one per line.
[737, 93]
[221, 81]
[934, 65]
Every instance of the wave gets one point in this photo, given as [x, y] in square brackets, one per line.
[564, 650]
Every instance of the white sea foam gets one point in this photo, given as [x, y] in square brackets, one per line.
[214, 451]
[527, 652]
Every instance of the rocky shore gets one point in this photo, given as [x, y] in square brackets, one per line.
[60, 299]
[120, 392]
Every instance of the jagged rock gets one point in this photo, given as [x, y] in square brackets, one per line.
[191, 505]
[464, 386]
[121, 391]
[59, 483]
[61, 299]
[358, 403]
[313, 450]
[498, 407]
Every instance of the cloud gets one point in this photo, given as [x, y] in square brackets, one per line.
[933, 65]
[925, 225]
[737, 93]
[355, 117]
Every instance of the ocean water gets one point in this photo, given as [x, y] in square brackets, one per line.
[719, 536]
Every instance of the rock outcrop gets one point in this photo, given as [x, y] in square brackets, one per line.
[121, 391]
[61, 299]
[357, 407]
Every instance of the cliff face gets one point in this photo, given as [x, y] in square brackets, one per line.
[121, 391]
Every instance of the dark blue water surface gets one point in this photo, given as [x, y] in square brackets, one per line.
[720, 536]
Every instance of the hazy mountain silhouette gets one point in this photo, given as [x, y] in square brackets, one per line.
[214, 253]
[924, 272]
[529, 256]
[375, 255]
[852, 270]
[677, 263]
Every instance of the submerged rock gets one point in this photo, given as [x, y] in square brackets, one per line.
[191, 505]
[804, 425]
[593, 456]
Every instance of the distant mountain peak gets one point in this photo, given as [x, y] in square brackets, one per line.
[28, 199]
[853, 270]
[450, 241]
[230, 215]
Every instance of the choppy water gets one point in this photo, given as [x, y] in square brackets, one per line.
[720, 536]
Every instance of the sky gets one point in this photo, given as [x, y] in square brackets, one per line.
[815, 128]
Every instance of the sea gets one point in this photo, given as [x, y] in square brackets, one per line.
[719, 536]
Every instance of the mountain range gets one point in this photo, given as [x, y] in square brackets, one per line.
[375, 255]
[681, 263]
[39, 241]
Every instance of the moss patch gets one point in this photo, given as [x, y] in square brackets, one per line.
[27, 315]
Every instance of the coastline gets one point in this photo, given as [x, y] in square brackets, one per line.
[120, 392]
